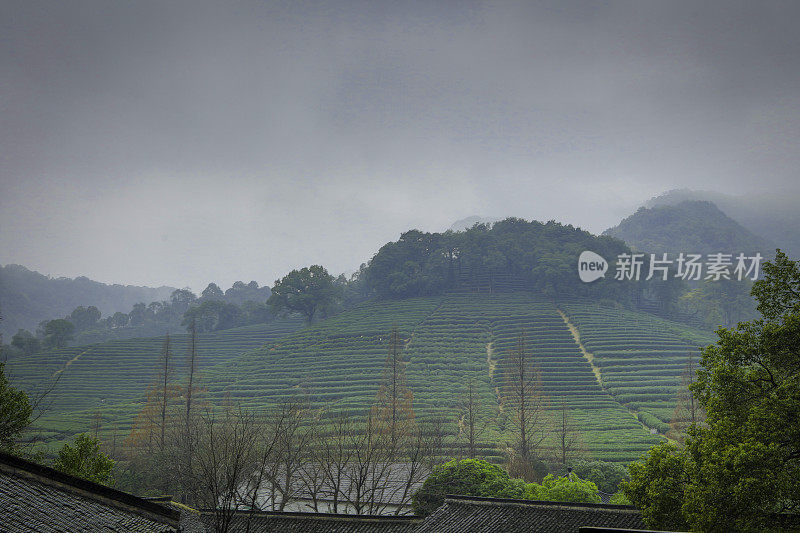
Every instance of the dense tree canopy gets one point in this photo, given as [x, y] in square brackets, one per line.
[58, 332]
[241, 305]
[691, 226]
[308, 291]
[657, 487]
[25, 342]
[475, 477]
[212, 292]
[569, 488]
[542, 256]
[607, 476]
[84, 317]
[29, 297]
[15, 412]
[84, 459]
[740, 471]
[469, 477]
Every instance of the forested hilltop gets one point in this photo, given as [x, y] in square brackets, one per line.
[699, 227]
[214, 310]
[28, 297]
[527, 255]
[509, 255]
[769, 215]
[691, 226]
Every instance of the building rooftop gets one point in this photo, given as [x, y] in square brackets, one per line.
[468, 514]
[269, 521]
[40, 499]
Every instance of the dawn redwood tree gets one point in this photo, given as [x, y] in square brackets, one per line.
[688, 411]
[567, 436]
[523, 397]
[191, 370]
[393, 408]
[307, 291]
[149, 428]
[471, 427]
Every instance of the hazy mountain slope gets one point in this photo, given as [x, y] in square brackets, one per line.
[689, 226]
[772, 216]
[28, 297]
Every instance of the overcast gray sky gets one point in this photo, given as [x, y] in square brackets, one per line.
[183, 142]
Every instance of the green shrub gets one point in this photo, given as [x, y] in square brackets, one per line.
[619, 498]
[605, 475]
[569, 488]
[85, 460]
[469, 477]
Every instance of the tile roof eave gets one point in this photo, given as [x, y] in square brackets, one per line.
[16, 466]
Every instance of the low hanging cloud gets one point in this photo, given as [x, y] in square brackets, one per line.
[187, 142]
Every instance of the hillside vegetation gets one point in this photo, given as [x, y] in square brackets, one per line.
[448, 340]
[689, 227]
[542, 257]
[110, 379]
[770, 215]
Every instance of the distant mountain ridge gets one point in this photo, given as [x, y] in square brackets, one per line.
[773, 216]
[690, 226]
[28, 297]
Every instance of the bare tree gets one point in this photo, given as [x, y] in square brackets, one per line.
[191, 356]
[225, 455]
[393, 410]
[368, 471]
[149, 429]
[688, 410]
[420, 448]
[568, 443]
[441, 440]
[523, 397]
[335, 454]
[166, 372]
[290, 428]
[470, 425]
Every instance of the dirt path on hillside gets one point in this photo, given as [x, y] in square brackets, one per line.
[59, 371]
[595, 369]
[492, 366]
[586, 354]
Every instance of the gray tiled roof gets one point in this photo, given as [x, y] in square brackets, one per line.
[263, 522]
[464, 514]
[35, 498]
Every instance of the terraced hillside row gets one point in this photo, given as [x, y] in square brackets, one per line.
[449, 341]
[111, 377]
[640, 357]
[607, 430]
[337, 363]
